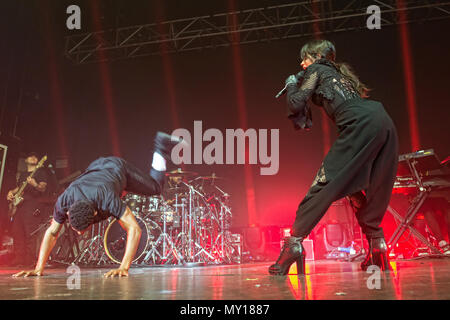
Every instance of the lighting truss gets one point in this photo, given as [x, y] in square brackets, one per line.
[247, 26]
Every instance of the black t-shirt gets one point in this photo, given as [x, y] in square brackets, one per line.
[101, 184]
[31, 192]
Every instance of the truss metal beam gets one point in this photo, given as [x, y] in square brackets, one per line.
[243, 27]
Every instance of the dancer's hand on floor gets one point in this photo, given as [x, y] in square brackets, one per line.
[29, 273]
[116, 272]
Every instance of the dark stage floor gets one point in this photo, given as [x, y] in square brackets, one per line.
[417, 279]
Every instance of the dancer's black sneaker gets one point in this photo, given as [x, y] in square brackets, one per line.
[165, 142]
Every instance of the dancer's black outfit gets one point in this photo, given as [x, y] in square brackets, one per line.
[363, 158]
[99, 190]
[102, 185]
[105, 179]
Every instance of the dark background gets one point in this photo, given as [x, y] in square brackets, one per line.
[63, 109]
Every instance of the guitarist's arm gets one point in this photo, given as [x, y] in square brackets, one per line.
[48, 242]
[41, 186]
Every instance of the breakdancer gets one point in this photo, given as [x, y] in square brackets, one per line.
[95, 196]
[361, 164]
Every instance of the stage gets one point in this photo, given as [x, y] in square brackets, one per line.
[427, 279]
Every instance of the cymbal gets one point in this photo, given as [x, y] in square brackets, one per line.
[213, 176]
[180, 173]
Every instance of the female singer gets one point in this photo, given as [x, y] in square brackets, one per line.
[361, 164]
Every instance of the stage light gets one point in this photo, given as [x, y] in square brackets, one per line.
[408, 75]
[56, 97]
[242, 110]
[106, 85]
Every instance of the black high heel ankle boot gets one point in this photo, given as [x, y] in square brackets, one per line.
[291, 252]
[377, 255]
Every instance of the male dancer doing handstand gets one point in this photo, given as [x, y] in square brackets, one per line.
[95, 196]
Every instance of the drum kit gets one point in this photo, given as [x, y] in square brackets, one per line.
[188, 224]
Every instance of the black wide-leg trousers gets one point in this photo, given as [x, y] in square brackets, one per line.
[363, 158]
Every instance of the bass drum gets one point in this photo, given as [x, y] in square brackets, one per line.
[115, 241]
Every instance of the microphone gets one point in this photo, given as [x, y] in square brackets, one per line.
[283, 91]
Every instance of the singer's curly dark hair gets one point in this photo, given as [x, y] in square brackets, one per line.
[81, 215]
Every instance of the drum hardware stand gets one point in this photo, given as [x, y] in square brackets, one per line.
[71, 253]
[205, 233]
[209, 234]
[93, 250]
[190, 223]
[168, 246]
[202, 251]
[202, 234]
[199, 234]
[225, 245]
[168, 249]
[183, 234]
[44, 225]
[68, 238]
[191, 248]
[200, 254]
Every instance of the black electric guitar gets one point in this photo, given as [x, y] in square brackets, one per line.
[18, 197]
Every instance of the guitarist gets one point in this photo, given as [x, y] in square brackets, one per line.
[28, 216]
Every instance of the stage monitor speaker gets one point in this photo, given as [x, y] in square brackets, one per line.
[336, 229]
[334, 236]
